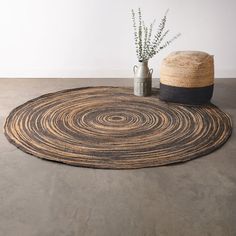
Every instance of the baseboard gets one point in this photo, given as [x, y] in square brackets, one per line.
[90, 74]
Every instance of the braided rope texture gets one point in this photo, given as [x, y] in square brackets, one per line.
[187, 69]
[109, 127]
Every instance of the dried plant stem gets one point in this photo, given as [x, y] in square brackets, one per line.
[148, 45]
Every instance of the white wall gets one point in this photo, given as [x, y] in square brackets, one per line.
[93, 38]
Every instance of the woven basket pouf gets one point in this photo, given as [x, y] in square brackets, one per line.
[187, 77]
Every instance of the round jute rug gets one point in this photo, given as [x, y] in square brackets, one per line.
[109, 127]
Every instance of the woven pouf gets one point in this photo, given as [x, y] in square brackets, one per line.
[187, 77]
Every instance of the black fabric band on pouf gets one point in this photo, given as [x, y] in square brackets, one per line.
[186, 95]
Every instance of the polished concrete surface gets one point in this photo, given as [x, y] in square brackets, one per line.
[42, 198]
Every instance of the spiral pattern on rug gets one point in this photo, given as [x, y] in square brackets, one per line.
[109, 127]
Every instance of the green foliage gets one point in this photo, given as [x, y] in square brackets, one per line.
[148, 45]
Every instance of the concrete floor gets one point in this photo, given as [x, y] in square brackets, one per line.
[41, 198]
